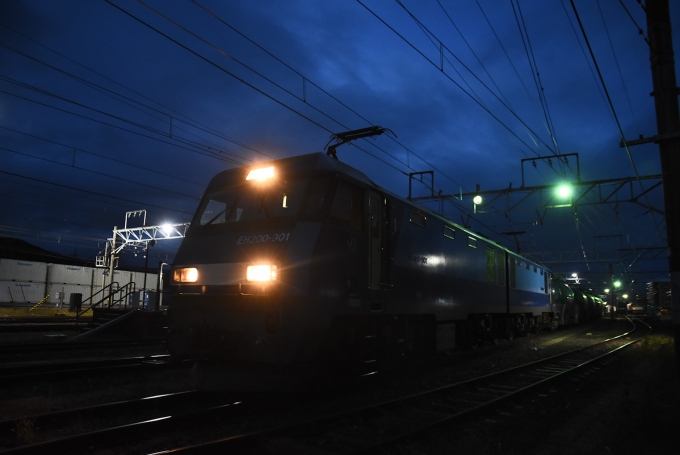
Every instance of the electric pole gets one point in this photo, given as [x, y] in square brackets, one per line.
[668, 134]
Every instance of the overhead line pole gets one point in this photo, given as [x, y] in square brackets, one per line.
[668, 125]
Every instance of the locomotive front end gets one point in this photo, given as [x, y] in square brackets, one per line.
[241, 275]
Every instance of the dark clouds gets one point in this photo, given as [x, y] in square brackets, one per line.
[162, 120]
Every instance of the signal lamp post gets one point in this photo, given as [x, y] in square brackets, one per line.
[146, 266]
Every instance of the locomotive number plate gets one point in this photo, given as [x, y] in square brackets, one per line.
[246, 239]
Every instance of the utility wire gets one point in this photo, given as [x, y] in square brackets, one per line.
[453, 23]
[243, 81]
[75, 149]
[100, 173]
[107, 196]
[476, 98]
[500, 43]
[640, 31]
[618, 67]
[585, 57]
[306, 79]
[187, 120]
[521, 24]
[174, 144]
[124, 120]
[449, 77]
[133, 104]
[618, 124]
[56, 194]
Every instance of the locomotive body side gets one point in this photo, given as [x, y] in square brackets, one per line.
[350, 272]
[470, 284]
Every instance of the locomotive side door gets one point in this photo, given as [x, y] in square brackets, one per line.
[375, 235]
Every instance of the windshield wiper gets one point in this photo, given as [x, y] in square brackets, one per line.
[231, 212]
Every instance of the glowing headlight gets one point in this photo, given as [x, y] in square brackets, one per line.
[187, 275]
[261, 174]
[261, 273]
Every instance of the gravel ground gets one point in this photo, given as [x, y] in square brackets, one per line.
[627, 407]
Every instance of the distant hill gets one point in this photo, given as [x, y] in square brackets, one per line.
[11, 248]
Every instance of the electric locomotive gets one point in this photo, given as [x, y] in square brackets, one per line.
[305, 260]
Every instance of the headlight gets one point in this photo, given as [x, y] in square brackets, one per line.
[264, 272]
[261, 174]
[187, 275]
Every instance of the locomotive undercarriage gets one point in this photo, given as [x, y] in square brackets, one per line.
[495, 327]
[385, 340]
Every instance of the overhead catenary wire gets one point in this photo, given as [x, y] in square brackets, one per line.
[307, 79]
[102, 174]
[174, 144]
[462, 36]
[618, 124]
[585, 57]
[108, 196]
[452, 80]
[526, 41]
[243, 81]
[57, 198]
[618, 67]
[172, 55]
[109, 158]
[199, 148]
[177, 115]
[639, 29]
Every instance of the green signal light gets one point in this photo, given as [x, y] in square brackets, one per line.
[564, 191]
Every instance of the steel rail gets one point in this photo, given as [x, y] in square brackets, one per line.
[421, 413]
[30, 371]
[60, 418]
[86, 442]
[63, 346]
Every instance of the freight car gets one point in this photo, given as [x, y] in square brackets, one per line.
[306, 261]
[573, 305]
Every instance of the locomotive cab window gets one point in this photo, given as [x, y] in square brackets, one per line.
[348, 206]
[253, 202]
[317, 197]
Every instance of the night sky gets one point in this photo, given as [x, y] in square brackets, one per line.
[112, 106]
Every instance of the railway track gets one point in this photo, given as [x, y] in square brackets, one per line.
[13, 349]
[135, 418]
[368, 429]
[23, 372]
[12, 320]
[357, 431]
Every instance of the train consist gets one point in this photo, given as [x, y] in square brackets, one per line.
[305, 260]
[573, 305]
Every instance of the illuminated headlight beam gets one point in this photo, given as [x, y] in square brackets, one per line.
[261, 174]
[261, 273]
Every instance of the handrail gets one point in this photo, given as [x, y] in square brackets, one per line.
[108, 294]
